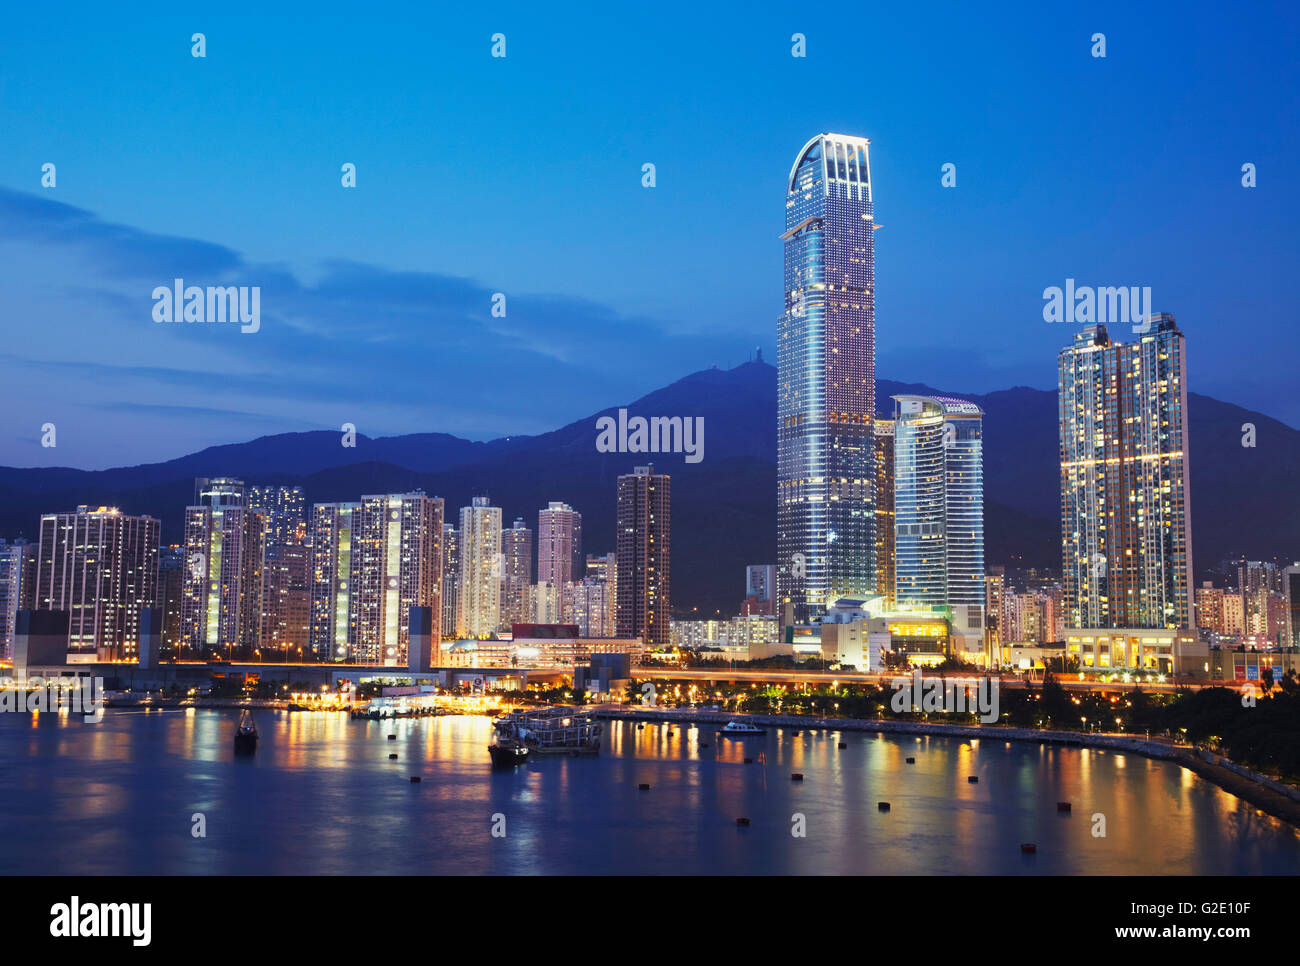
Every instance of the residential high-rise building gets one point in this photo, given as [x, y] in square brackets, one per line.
[826, 380]
[548, 603]
[450, 579]
[1125, 506]
[17, 588]
[886, 552]
[284, 509]
[100, 565]
[605, 568]
[644, 555]
[938, 502]
[286, 599]
[516, 574]
[995, 585]
[760, 590]
[586, 604]
[1258, 580]
[333, 542]
[480, 568]
[371, 562]
[172, 564]
[286, 580]
[1209, 607]
[221, 601]
[397, 565]
[1291, 593]
[559, 544]
[1234, 613]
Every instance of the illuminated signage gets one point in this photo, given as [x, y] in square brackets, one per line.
[918, 630]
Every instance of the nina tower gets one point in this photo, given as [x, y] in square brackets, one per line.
[826, 375]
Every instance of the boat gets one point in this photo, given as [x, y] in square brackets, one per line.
[246, 734]
[736, 727]
[507, 752]
[550, 731]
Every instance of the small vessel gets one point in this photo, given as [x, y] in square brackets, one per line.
[246, 734]
[737, 727]
[549, 731]
[507, 752]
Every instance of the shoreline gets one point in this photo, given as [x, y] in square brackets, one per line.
[1265, 794]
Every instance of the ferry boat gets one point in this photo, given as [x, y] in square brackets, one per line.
[246, 734]
[740, 728]
[550, 731]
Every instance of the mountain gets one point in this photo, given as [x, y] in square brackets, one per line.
[724, 514]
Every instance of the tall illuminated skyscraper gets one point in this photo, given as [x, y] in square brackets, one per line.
[100, 565]
[826, 380]
[1126, 540]
[885, 550]
[332, 616]
[225, 542]
[516, 574]
[938, 502]
[17, 588]
[644, 556]
[559, 544]
[372, 561]
[480, 568]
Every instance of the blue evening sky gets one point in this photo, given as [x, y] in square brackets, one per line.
[522, 175]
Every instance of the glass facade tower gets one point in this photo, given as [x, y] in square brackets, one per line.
[939, 502]
[826, 380]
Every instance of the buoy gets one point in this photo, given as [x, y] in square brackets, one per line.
[643, 787]
[704, 744]
[911, 761]
[392, 737]
[1063, 807]
[844, 744]
[882, 806]
[796, 777]
[639, 727]
[392, 756]
[743, 821]
[749, 761]
[1028, 848]
[415, 778]
[973, 779]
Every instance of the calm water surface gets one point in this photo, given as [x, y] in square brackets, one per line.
[321, 796]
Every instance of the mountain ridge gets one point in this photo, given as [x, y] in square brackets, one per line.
[723, 508]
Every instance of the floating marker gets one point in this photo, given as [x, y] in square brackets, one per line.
[643, 787]
[973, 779]
[1063, 807]
[1028, 848]
[911, 761]
[392, 737]
[415, 778]
[797, 777]
[393, 756]
[844, 744]
[749, 761]
[743, 821]
[882, 806]
[704, 744]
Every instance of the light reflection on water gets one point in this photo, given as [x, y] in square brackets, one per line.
[321, 796]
